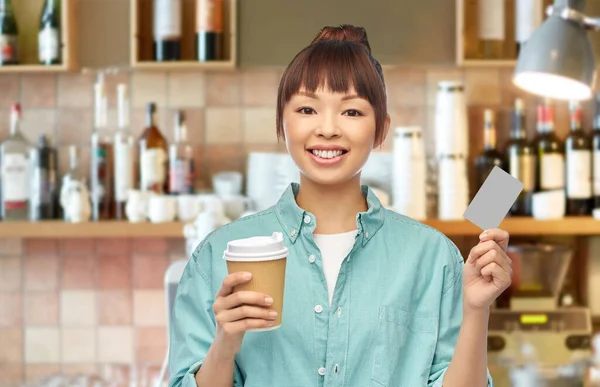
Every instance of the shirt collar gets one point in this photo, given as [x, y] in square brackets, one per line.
[293, 218]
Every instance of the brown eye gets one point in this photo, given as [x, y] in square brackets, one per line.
[353, 113]
[305, 110]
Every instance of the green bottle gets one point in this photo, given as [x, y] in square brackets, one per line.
[9, 34]
[49, 34]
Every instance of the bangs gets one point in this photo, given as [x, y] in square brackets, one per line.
[336, 66]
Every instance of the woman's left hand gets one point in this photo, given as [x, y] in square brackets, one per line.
[487, 271]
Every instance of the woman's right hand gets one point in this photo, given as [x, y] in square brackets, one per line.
[237, 312]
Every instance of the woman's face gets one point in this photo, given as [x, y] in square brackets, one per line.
[329, 135]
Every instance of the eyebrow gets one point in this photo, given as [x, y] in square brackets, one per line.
[314, 96]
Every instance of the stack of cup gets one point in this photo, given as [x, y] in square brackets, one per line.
[452, 150]
[409, 176]
[265, 258]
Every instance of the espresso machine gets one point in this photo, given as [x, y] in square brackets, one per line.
[533, 333]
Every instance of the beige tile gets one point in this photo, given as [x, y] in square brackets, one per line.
[10, 273]
[42, 345]
[41, 246]
[41, 308]
[36, 372]
[115, 307]
[149, 271]
[83, 158]
[149, 308]
[41, 273]
[482, 87]
[11, 345]
[78, 308]
[435, 76]
[12, 374]
[115, 344]
[405, 87]
[11, 246]
[9, 84]
[38, 90]
[79, 271]
[74, 126]
[11, 309]
[223, 89]
[194, 120]
[78, 369]
[75, 90]
[151, 345]
[37, 122]
[78, 345]
[259, 126]
[187, 90]
[149, 87]
[223, 126]
[111, 87]
[260, 87]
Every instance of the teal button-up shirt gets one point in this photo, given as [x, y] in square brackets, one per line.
[393, 322]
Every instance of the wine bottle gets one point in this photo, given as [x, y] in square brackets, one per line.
[153, 155]
[578, 152]
[49, 33]
[490, 157]
[528, 17]
[101, 165]
[596, 154]
[521, 161]
[550, 152]
[9, 34]
[181, 160]
[492, 29]
[124, 153]
[44, 192]
[209, 34]
[15, 154]
[167, 30]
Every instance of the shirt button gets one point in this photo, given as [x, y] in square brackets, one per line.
[293, 232]
[367, 234]
[311, 259]
[318, 308]
[307, 219]
[339, 312]
[322, 371]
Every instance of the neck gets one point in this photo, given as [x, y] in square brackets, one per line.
[335, 207]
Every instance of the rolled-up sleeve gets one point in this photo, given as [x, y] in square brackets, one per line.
[193, 324]
[450, 320]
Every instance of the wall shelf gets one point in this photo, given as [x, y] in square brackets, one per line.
[580, 226]
[142, 41]
[28, 17]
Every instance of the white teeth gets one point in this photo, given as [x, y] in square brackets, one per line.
[327, 154]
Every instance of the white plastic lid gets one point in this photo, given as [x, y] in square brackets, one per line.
[260, 248]
[401, 130]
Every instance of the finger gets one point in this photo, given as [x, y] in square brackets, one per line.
[244, 298]
[493, 270]
[231, 281]
[479, 250]
[500, 236]
[245, 324]
[493, 256]
[243, 312]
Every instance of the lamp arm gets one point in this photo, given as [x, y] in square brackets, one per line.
[574, 16]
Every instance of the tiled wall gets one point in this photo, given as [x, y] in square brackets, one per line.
[80, 305]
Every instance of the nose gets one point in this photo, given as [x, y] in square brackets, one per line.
[328, 127]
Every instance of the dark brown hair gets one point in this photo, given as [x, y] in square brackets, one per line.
[338, 58]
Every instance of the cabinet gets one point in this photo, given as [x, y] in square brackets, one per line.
[401, 32]
[28, 19]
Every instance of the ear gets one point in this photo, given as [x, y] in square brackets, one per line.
[384, 132]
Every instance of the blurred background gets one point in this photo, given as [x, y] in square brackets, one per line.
[131, 128]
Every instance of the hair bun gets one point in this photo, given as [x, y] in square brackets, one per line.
[344, 32]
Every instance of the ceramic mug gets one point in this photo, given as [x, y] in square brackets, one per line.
[162, 208]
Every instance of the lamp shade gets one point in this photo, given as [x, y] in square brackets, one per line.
[557, 62]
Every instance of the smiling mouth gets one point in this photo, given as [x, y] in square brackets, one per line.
[327, 154]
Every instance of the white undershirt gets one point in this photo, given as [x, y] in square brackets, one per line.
[334, 248]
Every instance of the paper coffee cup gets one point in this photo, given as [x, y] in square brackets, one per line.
[265, 257]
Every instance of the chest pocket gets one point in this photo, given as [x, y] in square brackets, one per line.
[404, 348]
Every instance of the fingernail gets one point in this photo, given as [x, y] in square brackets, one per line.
[247, 275]
[483, 235]
[268, 300]
[272, 313]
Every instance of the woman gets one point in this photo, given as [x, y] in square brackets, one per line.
[372, 298]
